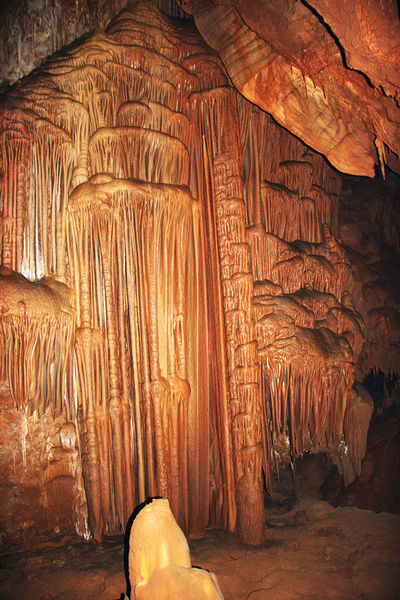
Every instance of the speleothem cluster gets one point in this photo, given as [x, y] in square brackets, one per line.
[172, 289]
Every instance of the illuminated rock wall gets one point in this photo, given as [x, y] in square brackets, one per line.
[310, 336]
[172, 289]
[97, 155]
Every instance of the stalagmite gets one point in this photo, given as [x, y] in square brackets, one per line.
[159, 559]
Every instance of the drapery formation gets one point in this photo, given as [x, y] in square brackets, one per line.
[97, 163]
[310, 335]
[198, 321]
[137, 265]
[36, 338]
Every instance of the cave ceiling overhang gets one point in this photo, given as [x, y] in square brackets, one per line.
[326, 71]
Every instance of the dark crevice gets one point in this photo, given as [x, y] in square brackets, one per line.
[337, 42]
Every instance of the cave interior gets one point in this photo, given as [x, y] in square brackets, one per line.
[199, 265]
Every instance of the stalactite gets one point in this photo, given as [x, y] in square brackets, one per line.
[162, 226]
[91, 87]
[299, 193]
[43, 174]
[223, 494]
[158, 117]
[312, 325]
[221, 139]
[37, 325]
[304, 289]
[139, 153]
[128, 450]
[324, 267]
[14, 152]
[51, 167]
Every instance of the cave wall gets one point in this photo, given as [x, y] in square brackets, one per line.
[97, 154]
[32, 30]
[41, 485]
[178, 316]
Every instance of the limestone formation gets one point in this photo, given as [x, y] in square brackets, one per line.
[183, 289]
[159, 559]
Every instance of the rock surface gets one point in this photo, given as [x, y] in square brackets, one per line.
[219, 326]
[330, 79]
[284, 58]
[312, 551]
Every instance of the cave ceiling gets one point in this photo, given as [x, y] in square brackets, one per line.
[326, 71]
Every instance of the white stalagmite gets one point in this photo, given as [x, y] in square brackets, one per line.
[159, 559]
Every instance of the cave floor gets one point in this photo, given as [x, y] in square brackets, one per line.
[312, 551]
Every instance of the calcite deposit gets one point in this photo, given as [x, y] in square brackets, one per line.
[159, 559]
[186, 301]
[292, 59]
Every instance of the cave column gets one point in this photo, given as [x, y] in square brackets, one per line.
[237, 289]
